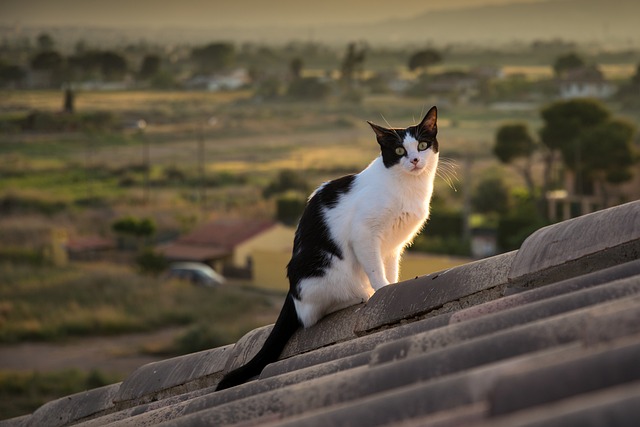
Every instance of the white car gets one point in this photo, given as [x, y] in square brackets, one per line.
[196, 273]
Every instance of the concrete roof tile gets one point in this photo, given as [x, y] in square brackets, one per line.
[599, 240]
[174, 376]
[444, 349]
[416, 297]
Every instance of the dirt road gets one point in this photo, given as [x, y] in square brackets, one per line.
[117, 355]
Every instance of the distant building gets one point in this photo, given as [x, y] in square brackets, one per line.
[227, 81]
[89, 248]
[585, 82]
[228, 245]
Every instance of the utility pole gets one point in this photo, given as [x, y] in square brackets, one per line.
[466, 194]
[201, 170]
[142, 124]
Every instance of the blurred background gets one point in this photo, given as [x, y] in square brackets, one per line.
[155, 156]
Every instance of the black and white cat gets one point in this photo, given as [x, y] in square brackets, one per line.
[352, 233]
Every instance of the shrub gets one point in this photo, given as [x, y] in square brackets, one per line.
[308, 88]
[150, 262]
[22, 393]
[289, 208]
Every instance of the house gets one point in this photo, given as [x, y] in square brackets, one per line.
[457, 86]
[569, 202]
[585, 82]
[546, 335]
[228, 81]
[89, 248]
[227, 244]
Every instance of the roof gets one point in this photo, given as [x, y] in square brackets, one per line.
[548, 335]
[226, 233]
[179, 251]
[214, 240]
[89, 243]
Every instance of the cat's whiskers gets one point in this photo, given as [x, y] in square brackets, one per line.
[389, 125]
[447, 170]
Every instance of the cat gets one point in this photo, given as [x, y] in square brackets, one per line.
[351, 235]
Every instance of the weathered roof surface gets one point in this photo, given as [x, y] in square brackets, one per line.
[548, 335]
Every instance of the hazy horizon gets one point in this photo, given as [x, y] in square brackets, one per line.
[488, 22]
[199, 13]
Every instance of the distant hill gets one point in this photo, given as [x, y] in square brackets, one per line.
[603, 21]
[579, 20]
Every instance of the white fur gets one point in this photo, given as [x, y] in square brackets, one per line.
[372, 224]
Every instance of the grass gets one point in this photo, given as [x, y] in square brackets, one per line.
[24, 392]
[57, 304]
[54, 304]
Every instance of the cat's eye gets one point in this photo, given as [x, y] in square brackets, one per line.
[423, 146]
[400, 151]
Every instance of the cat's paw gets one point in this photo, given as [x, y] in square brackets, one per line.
[380, 284]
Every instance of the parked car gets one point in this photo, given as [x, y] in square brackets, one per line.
[196, 273]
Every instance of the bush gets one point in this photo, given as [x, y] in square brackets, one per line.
[289, 208]
[41, 121]
[21, 256]
[449, 245]
[287, 180]
[202, 337]
[23, 393]
[150, 262]
[308, 88]
[16, 203]
[519, 223]
[443, 223]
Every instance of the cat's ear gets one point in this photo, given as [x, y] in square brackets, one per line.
[382, 133]
[429, 124]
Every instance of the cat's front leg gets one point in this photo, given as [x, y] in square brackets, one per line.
[392, 267]
[369, 256]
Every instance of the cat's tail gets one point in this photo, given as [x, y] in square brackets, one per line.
[282, 331]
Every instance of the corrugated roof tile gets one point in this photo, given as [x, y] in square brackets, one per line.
[546, 335]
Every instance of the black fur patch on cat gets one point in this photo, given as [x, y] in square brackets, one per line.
[388, 145]
[313, 247]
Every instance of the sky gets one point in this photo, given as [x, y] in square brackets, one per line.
[203, 13]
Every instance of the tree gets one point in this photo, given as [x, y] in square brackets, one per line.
[139, 229]
[592, 144]
[45, 42]
[308, 88]
[635, 79]
[286, 180]
[353, 63]
[113, 66]
[423, 59]
[514, 145]
[11, 74]
[150, 67]
[69, 98]
[213, 57]
[568, 62]
[295, 68]
[491, 195]
[564, 122]
[49, 60]
[608, 154]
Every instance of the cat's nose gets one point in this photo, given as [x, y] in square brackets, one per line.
[415, 160]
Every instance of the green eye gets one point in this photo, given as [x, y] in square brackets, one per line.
[400, 151]
[423, 146]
